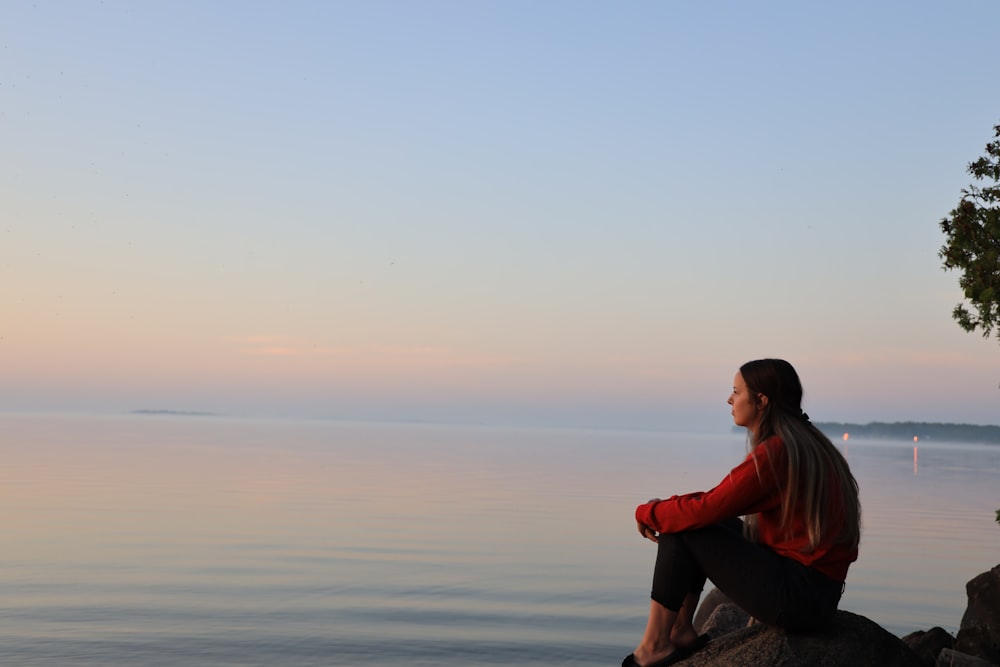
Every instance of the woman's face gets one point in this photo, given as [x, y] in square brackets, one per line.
[745, 404]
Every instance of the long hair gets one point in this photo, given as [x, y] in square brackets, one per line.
[818, 485]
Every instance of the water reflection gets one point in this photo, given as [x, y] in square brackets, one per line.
[925, 534]
[410, 541]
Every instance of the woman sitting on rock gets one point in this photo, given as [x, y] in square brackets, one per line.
[785, 563]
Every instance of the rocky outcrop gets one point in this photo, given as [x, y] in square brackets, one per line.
[726, 618]
[979, 633]
[713, 599]
[852, 640]
[950, 658]
[928, 644]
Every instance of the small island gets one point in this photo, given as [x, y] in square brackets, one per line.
[174, 413]
[919, 431]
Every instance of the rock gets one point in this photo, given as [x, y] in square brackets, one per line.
[928, 644]
[976, 642]
[708, 604]
[979, 633]
[950, 658]
[852, 640]
[727, 617]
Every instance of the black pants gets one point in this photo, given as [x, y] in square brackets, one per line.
[771, 588]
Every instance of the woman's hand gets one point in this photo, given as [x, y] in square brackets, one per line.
[647, 532]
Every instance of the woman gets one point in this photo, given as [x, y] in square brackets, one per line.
[785, 563]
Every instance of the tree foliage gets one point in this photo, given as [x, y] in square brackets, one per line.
[972, 244]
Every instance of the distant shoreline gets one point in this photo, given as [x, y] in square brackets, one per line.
[175, 413]
[913, 431]
[904, 431]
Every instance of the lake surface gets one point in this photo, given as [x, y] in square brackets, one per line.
[211, 541]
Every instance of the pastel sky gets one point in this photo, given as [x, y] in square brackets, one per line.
[554, 212]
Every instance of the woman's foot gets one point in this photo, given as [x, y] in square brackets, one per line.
[682, 638]
[644, 657]
[670, 654]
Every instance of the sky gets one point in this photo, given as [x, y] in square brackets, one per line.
[553, 213]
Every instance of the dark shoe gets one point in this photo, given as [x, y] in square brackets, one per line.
[682, 653]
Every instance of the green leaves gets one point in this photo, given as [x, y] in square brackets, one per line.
[972, 245]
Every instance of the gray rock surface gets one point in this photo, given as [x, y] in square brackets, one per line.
[725, 618]
[979, 633]
[950, 658]
[929, 643]
[852, 641]
[712, 599]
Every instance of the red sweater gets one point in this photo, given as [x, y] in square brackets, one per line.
[751, 489]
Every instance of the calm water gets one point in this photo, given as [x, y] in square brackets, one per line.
[205, 541]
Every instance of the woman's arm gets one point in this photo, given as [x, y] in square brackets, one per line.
[742, 492]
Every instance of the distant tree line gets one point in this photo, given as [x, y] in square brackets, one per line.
[910, 430]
